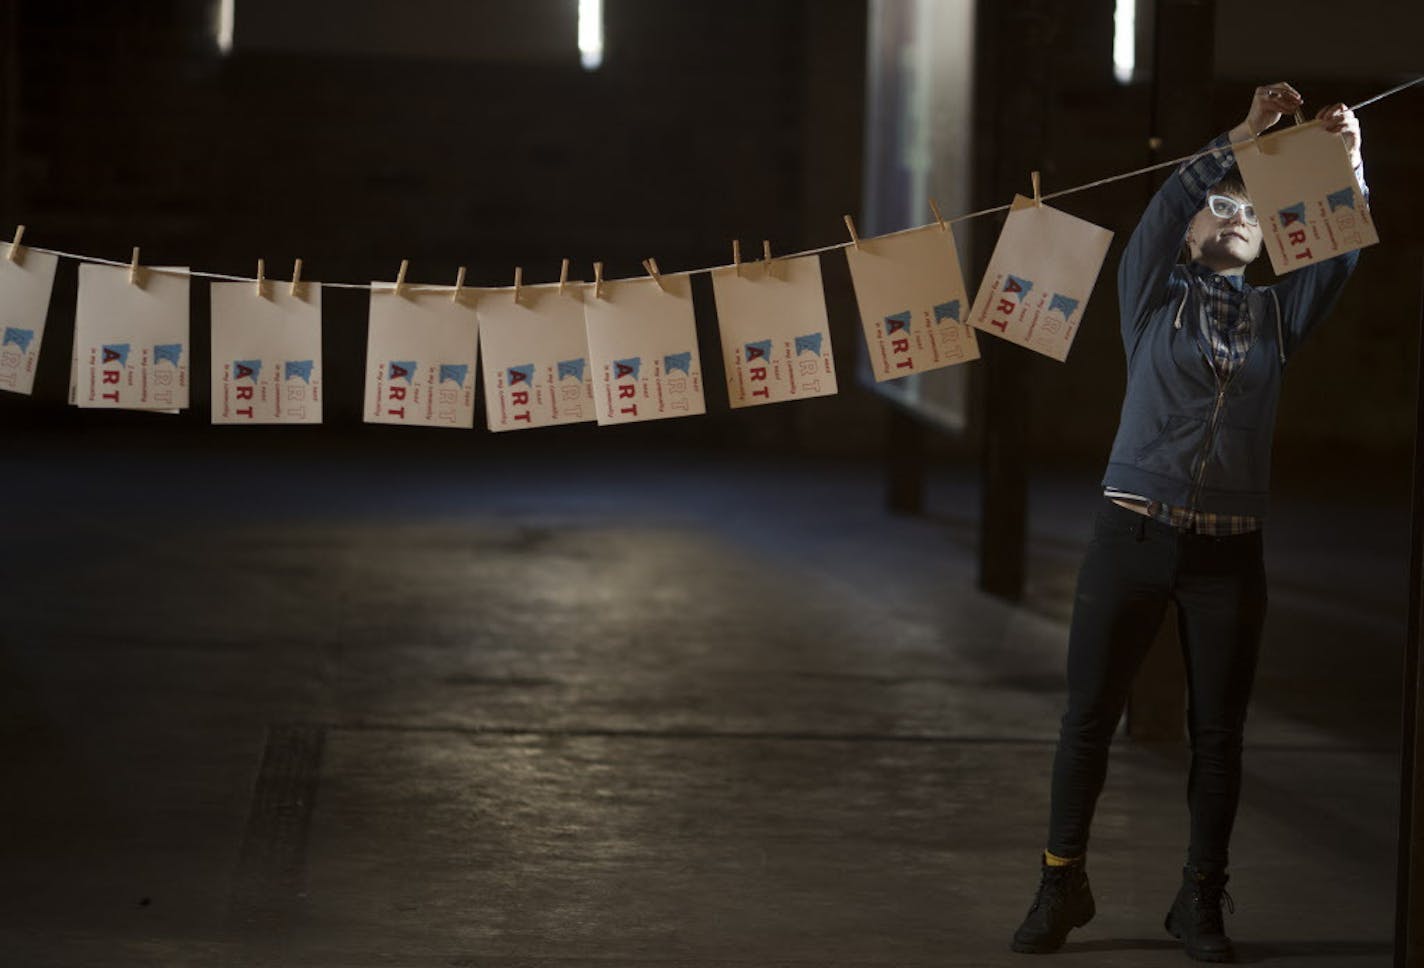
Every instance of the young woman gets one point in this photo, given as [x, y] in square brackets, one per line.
[1184, 499]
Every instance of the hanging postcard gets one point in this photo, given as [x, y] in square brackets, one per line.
[25, 287]
[912, 302]
[266, 360]
[776, 340]
[420, 359]
[1305, 193]
[642, 344]
[1036, 287]
[131, 341]
[535, 357]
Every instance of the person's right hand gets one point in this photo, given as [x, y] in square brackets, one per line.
[1269, 103]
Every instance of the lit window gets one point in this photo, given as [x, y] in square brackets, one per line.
[1124, 40]
[590, 33]
[224, 26]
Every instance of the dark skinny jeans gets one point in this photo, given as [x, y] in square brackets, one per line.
[1133, 567]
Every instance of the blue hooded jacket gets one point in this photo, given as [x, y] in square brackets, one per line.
[1185, 437]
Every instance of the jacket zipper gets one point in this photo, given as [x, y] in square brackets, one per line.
[1205, 452]
[1202, 456]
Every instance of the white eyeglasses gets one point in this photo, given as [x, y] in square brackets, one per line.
[1224, 206]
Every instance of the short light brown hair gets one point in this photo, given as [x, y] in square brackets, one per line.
[1231, 184]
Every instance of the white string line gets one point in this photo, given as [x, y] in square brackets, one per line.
[1384, 94]
[195, 274]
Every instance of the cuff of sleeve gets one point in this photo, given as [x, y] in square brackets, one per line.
[1201, 173]
[1221, 148]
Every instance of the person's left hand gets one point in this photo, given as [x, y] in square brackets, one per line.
[1339, 119]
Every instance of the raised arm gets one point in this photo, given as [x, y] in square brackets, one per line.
[1156, 242]
[1153, 248]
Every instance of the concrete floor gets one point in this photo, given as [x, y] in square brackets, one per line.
[688, 711]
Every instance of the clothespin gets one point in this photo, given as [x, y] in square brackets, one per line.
[296, 276]
[261, 278]
[134, 269]
[518, 281]
[598, 280]
[850, 224]
[400, 277]
[1300, 114]
[766, 255]
[15, 244]
[737, 257]
[459, 285]
[1037, 198]
[563, 276]
[652, 266]
[938, 217]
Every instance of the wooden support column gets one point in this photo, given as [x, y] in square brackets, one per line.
[1409, 908]
[10, 113]
[1184, 37]
[1003, 509]
[904, 462]
[1014, 95]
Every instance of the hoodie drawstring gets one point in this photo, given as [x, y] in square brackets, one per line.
[1280, 335]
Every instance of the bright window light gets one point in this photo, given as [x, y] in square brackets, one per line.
[590, 33]
[1124, 40]
[224, 25]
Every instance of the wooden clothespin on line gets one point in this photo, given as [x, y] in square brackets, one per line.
[934, 207]
[737, 258]
[261, 278]
[135, 270]
[518, 282]
[459, 285]
[652, 266]
[296, 278]
[766, 256]
[563, 276]
[598, 280]
[1037, 197]
[13, 254]
[850, 225]
[400, 277]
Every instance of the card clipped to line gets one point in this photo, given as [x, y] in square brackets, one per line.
[1306, 195]
[912, 302]
[420, 359]
[776, 340]
[642, 345]
[535, 357]
[25, 287]
[131, 341]
[1036, 287]
[266, 362]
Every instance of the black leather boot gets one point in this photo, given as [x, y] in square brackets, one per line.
[1195, 917]
[1063, 902]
